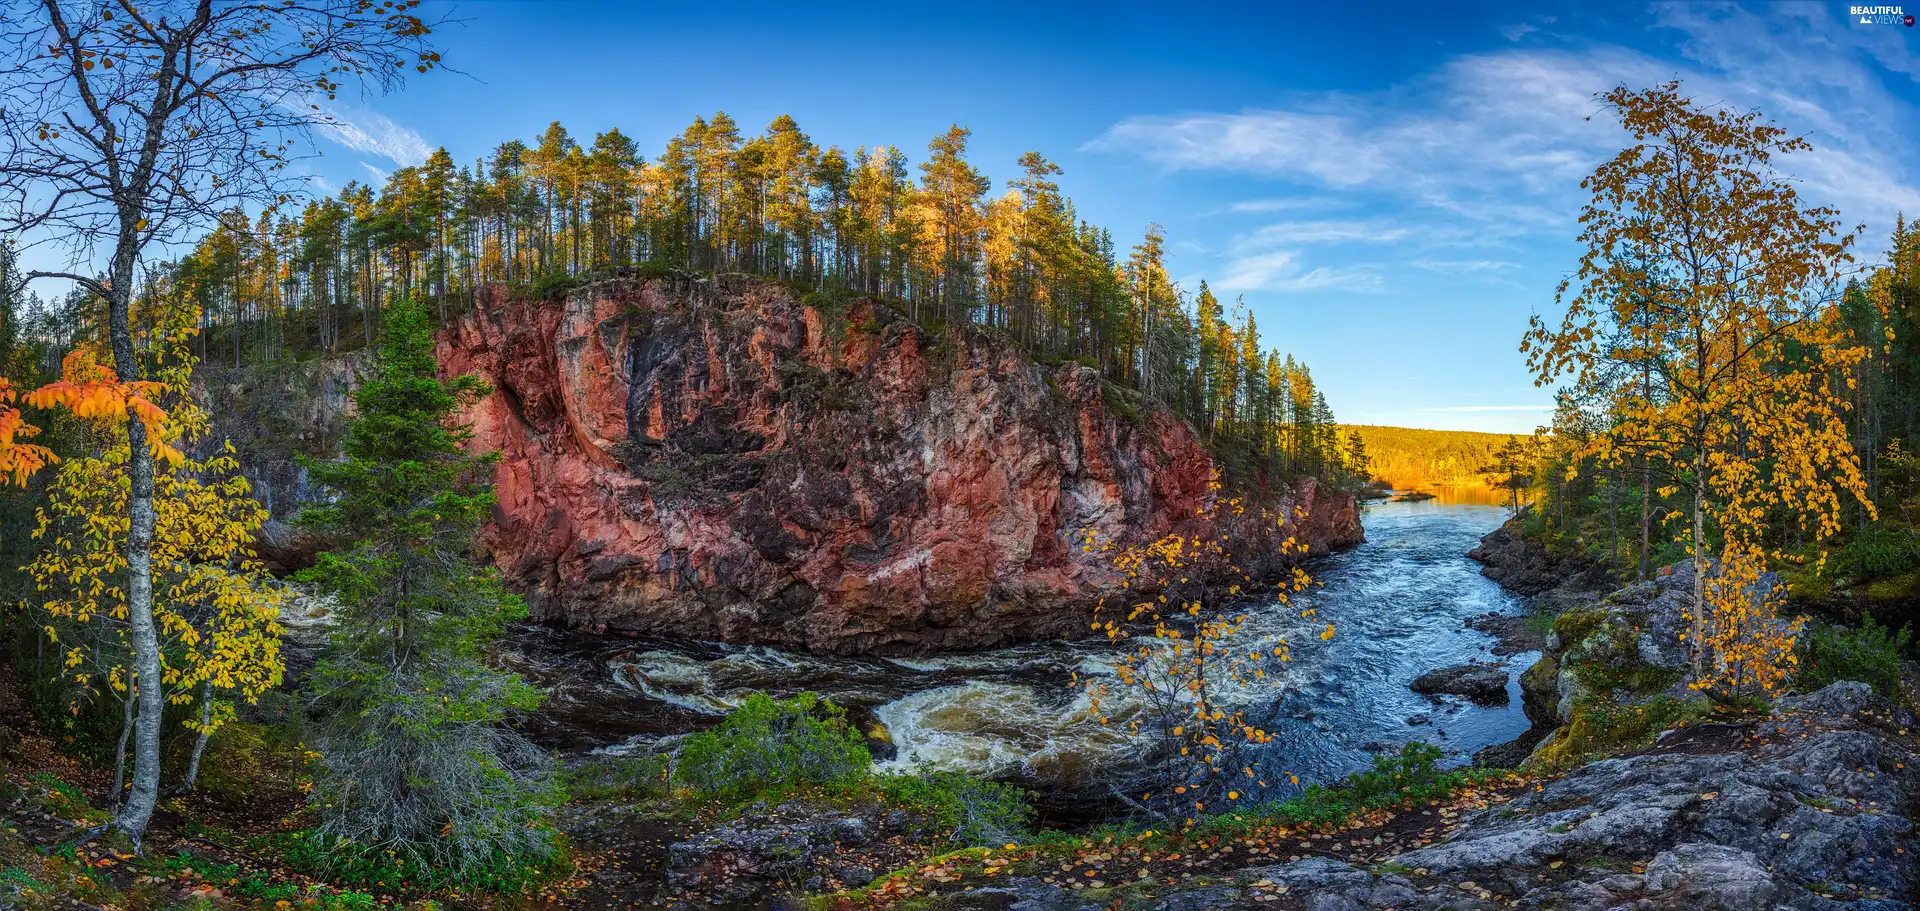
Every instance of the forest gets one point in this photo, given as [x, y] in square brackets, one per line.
[152, 635]
[1257, 690]
[1618, 504]
[1409, 458]
[545, 215]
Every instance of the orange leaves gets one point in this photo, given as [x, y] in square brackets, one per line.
[91, 390]
[1748, 647]
[18, 460]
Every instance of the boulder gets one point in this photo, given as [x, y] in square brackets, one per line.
[1485, 684]
[789, 848]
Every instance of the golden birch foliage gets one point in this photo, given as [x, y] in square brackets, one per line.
[217, 616]
[1180, 652]
[89, 390]
[1749, 647]
[1704, 325]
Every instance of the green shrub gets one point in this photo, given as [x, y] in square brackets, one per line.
[770, 747]
[1870, 655]
[972, 812]
[616, 778]
[361, 866]
[827, 300]
[554, 287]
[654, 268]
[1875, 552]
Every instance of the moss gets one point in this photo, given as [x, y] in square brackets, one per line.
[1639, 678]
[1893, 588]
[1804, 584]
[1540, 685]
[1575, 625]
[1602, 724]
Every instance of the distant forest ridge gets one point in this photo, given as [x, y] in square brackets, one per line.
[1413, 457]
[545, 214]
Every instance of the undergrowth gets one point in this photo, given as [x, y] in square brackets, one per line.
[1869, 654]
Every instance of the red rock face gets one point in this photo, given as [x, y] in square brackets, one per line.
[715, 459]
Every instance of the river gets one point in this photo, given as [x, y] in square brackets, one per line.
[1399, 604]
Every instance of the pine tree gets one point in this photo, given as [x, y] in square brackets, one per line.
[415, 758]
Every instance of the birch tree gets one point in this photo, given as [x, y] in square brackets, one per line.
[1713, 285]
[125, 125]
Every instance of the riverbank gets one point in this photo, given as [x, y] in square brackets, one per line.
[1639, 794]
[1805, 809]
[1809, 806]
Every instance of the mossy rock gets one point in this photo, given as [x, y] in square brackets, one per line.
[1602, 724]
[1540, 690]
[1572, 627]
[1893, 588]
[1635, 678]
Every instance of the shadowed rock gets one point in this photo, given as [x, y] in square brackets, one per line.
[1485, 684]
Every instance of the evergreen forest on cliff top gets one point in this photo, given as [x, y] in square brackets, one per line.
[1711, 553]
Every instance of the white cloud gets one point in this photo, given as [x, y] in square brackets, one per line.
[1324, 232]
[1517, 31]
[379, 176]
[1496, 143]
[1281, 271]
[373, 133]
[1281, 204]
[1463, 266]
[1470, 140]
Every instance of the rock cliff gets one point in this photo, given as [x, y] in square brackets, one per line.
[720, 460]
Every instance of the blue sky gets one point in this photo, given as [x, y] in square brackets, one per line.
[1392, 187]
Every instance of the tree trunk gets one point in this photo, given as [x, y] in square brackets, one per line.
[1613, 522]
[120, 752]
[138, 810]
[1646, 515]
[1698, 628]
[200, 742]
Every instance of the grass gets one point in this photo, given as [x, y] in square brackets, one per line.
[1399, 782]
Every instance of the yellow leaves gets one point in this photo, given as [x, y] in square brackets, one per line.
[1327, 633]
[213, 604]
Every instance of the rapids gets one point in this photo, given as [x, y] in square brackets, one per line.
[1399, 604]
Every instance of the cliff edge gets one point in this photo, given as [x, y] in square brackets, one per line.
[717, 459]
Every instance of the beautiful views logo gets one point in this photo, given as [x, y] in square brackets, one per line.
[1880, 15]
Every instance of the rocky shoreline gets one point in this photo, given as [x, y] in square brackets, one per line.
[1810, 806]
[1807, 809]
